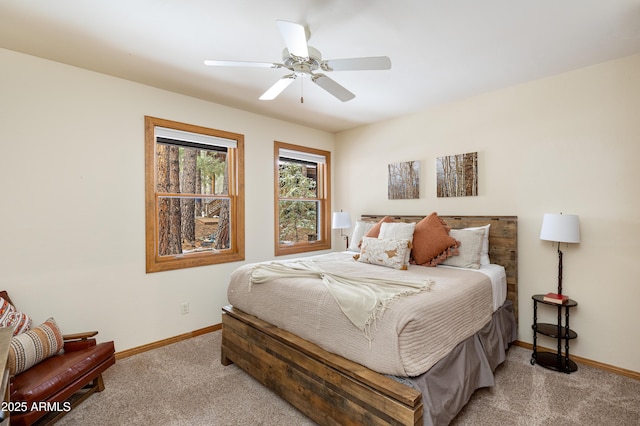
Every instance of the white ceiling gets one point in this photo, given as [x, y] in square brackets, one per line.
[441, 50]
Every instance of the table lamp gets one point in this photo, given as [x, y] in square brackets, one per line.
[560, 228]
[341, 220]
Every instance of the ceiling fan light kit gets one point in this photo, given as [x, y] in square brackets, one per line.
[304, 60]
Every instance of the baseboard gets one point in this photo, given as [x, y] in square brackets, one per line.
[165, 342]
[578, 359]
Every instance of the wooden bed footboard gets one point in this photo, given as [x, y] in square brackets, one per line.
[331, 390]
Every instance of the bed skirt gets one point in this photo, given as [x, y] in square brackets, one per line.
[471, 363]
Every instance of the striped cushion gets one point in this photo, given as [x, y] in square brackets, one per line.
[21, 322]
[28, 349]
[9, 317]
[6, 309]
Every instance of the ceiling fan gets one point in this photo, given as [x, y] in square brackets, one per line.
[303, 60]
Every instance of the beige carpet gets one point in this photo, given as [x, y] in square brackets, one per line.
[185, 384]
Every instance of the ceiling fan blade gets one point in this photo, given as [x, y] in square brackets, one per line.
[357, 64]
[278, 87]
[242, 64]
[332, 87]
[295, 38]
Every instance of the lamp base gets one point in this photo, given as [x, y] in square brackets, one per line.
[346, 237]
[559, 270]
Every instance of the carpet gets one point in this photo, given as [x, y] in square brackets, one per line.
[185, 384]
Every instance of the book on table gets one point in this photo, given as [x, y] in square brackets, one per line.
[556, 298]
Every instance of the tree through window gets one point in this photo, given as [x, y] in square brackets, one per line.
[194, 203]
[301, 199]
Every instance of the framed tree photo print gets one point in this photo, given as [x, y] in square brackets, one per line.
[404, 180]
[457, 175]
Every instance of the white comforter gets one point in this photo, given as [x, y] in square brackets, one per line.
[414, 332]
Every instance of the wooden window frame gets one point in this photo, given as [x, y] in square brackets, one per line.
[236, 252]
[324, 184]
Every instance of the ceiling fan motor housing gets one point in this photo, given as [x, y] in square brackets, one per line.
[302, 65]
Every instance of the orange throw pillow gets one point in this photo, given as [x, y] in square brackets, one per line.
[431, 241]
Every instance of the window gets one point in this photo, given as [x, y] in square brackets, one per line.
[194, 180]
[302, 199]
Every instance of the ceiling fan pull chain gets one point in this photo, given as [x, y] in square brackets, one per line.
[301, 91]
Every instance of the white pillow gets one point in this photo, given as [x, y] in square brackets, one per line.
[387, 252]
[359, 231]
[397, 231]
[484, 255]
[469, 250]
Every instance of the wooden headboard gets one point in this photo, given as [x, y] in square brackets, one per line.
[503, 242]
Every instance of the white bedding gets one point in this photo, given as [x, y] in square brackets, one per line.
[498, 277]
[414, 332]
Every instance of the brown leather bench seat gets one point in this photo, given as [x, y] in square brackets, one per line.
[48, 390]
[59, 377]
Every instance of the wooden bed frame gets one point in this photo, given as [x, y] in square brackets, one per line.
[330, 389]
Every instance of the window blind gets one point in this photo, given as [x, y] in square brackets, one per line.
[301, 156]
[197, 138]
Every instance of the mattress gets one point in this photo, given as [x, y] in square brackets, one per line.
[498, 277]
[413, 334]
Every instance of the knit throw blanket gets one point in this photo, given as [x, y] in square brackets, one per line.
[363, 300]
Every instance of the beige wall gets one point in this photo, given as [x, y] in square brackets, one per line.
[568, 144]
[72, 215]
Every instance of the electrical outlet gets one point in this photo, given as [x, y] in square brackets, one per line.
[184, 308]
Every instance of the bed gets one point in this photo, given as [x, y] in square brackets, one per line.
[334, 389]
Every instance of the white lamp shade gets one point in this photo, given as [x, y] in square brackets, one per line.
[561, 228]
[341, 220]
